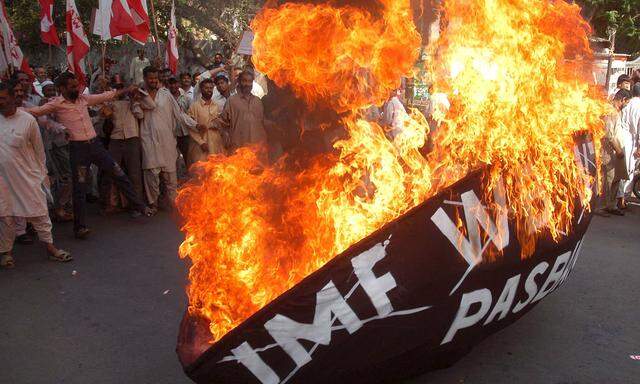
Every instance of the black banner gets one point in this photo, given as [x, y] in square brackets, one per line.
[414, 296]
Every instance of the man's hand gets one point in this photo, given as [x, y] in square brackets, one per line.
[204, 147]
[201, 128]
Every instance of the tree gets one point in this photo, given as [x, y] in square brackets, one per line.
[624, 15]
[197, 19]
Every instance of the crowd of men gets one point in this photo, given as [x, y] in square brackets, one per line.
[121, 141]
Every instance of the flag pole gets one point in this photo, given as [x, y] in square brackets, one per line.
[104, 50]
[155, 26]
[50, 55]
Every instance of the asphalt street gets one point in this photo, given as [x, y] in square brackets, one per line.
[112, 315]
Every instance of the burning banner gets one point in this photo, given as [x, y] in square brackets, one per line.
[493, 215]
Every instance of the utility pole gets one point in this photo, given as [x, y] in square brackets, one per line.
[611, 31]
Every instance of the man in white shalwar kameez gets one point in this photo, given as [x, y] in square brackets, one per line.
[157, 134]
[630, 128]
[22, 173]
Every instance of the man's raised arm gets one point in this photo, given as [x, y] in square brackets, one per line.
[44, 109]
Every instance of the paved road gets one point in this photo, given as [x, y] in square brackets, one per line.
[111, 322]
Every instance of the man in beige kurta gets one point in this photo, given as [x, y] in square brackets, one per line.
[157, 134]
[613, 156]
[243, 115]
[22, 173]
[205, 138]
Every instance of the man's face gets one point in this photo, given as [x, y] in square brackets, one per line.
[7, 103]
[246, 82]
[41, 74]
[49, 91]
[25, 82]
[625, 85]
[174, 87]
[186, 81]
[217, 59]
[141, 54]
[19, 95]
[223, 85]
[207, 90]
[72, 90]
[151, 81]
[164, 76]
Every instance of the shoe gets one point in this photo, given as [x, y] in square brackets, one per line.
[24, 239]
[615, 211]
[82, 233]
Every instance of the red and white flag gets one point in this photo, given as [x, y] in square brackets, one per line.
[113, 19]
[77, 42]
[48, 32]
[172, 42]
[11, 50]
[140, 16]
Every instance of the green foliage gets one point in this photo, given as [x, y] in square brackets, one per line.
[624, 15]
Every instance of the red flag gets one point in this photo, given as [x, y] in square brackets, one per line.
[11, 50]
[77, 42]
[141, 18]
[113, 19]
[48, 32]
[172, 43]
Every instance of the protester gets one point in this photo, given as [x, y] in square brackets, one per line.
[71, 110]
[57, 151]
[256, 89]
[218, 61]
[243, 115]
[30, 98]
[205, 138]
[623, 82]
[630, 130]
[613, 159]
[100, 78]
[186, 86]
[159, 153]
[223, 90]
[164, 75]
[22, 174]
[41, 77]
[124, 143]
[395, 115]
[138, 64]
[181, 132]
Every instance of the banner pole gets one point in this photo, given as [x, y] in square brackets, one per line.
[155, 26]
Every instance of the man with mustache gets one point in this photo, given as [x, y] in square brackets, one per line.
[205, 139]
[157, 133]
[70, 110]
[243, 115]
[22, 173]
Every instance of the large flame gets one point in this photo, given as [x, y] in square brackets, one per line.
[514, 73]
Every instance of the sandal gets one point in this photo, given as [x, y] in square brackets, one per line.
[6, 261]
[61, 256]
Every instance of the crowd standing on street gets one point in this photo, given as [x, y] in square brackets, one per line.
[126, 141]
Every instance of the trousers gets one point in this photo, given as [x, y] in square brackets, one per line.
[42, 225]
[82, 155]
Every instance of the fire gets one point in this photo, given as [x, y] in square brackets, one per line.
[514, 73]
